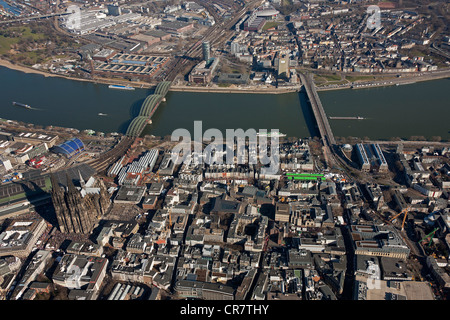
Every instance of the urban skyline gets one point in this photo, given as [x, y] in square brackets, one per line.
[250, 218]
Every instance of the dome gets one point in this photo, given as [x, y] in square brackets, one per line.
[347, 147]
[267, 13]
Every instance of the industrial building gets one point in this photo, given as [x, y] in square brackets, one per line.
[258, 18]
[135, 65]
[175, 26]
[254, 23]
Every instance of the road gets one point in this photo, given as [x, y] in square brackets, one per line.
[407, 79]
[326, 133]
[44, 16]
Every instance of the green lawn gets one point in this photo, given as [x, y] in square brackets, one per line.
[15, 35]
[328, 77]
[359, 78]
[270, 25]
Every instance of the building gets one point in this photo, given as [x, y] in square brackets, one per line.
[70, 147]
[132, 65]
[35, 138]
[282, 64]
[176, 26]
[104, 55]
[267, 13]
[155, 188]
[167, 166]
[204, 71]
[203, 290]
[254, 23]
[233, 78]
[114, 10]
[130, 194]
[77, 210]
[282, 212]
[35, 267]
[17, 198]
[381, 241]
[371, 158]
[206, 50]
[439, 273]
[84, 248]
[362, 156]
[20, 236]
[80, 272]
[149, 202]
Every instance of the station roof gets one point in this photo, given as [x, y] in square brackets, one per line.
[70, 147]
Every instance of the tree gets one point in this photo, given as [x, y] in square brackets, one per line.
[436, 138]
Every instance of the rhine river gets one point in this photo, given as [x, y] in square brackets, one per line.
[420, 109]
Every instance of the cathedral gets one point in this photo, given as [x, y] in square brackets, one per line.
[79, 208]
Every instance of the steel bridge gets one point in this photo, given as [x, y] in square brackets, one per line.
[148, 108]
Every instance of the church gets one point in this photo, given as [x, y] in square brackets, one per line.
[78, 208]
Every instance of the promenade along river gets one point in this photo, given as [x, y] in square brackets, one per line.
[419, 109]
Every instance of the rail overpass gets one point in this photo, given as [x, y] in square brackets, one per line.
[134, 129]
[148, 108]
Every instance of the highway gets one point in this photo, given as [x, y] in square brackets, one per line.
[44, 16]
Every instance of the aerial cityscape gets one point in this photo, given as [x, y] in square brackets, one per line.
[239, 150]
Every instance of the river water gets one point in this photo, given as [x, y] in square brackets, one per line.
[420, 109]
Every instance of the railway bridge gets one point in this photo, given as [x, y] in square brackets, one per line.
[134, 129]
[148, 108]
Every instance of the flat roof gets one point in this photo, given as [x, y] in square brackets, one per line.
[130, 194]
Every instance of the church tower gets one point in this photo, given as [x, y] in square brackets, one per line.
[77, 212]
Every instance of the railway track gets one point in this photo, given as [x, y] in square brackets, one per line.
[112, 155]
[217, 35]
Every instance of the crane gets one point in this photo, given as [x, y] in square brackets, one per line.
[429, 237]
[405, 211]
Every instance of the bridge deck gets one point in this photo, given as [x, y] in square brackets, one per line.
[148, 108]
[319, 113]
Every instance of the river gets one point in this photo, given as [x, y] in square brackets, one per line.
[419, 109]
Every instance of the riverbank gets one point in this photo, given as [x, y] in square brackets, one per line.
[24, 69]
[409, 79]
[251, 90]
